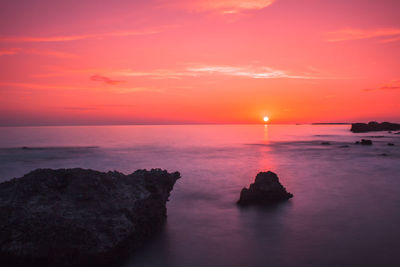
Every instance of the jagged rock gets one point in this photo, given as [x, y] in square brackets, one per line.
[77, 217]
[266, 189]
[365, 142]
[374, 126]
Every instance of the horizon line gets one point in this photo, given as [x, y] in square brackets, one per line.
[171, 124]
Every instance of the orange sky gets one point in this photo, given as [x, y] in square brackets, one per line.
[201, 61]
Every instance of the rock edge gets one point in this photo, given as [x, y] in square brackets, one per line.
[79, 217]
[374, 126]
[266, 189]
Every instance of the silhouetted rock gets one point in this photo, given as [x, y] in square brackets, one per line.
[266, 189]
[390, 144]
[77, 217]
[374, 126]
[344, 146]
[364, 142]
[325, 143]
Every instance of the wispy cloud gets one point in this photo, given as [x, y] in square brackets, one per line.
[191, 71]
[155, 74]
[239, 71]
[99, 78]
[255, 73]
[72, 87]
[222, 6]
[9, 51]
[392, 85]
[66, 38]
[33, 51]
[358, 34]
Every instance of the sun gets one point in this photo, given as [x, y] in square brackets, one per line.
[266, 119]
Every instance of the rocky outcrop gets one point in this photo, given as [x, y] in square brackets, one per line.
[374, 126]
[266, 189]
[78, 217]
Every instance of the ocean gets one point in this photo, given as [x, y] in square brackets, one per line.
[345, 210]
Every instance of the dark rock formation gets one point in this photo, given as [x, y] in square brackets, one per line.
[77, 217]
[390, 144]
[365, 142]
[266, 189]
[325, 143]
[344, 146]
[374, 126]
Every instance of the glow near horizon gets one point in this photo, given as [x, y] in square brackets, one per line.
[198, 61]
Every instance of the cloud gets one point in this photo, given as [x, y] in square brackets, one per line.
[99, 78]
[232, 6]
[358, 34]
[50, 53]
[66, 38]
[155, 74]
[392, 85]
[260, 73]
[72, 87]
[32, 51]
[239, 71]
[9, 51]
[222, 6]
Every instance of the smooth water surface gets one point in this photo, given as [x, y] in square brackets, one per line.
[345, 210]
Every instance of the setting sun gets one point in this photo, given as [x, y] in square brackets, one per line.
[266, 119]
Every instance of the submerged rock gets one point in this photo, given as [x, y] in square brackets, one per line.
[374, 126]
[325, 143]
[78, 217]
[266, 189]
[365, 142]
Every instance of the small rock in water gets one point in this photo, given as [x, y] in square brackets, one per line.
[325, 143]
[343, 146]
[390, 144]
[266, 189]
[364, 142]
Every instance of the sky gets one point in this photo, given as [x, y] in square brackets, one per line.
[70, 62]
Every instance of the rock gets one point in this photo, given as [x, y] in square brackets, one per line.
[265, 190]
[364, 142]
[78, 217]
[374, 126]
[390, 144]
[344, 146]
[325, 143]
[384, 155]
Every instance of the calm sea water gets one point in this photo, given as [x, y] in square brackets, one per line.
[345, 210]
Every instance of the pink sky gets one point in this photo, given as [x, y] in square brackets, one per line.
[201, 61]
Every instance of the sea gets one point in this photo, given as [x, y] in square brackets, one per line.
[345, 210]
